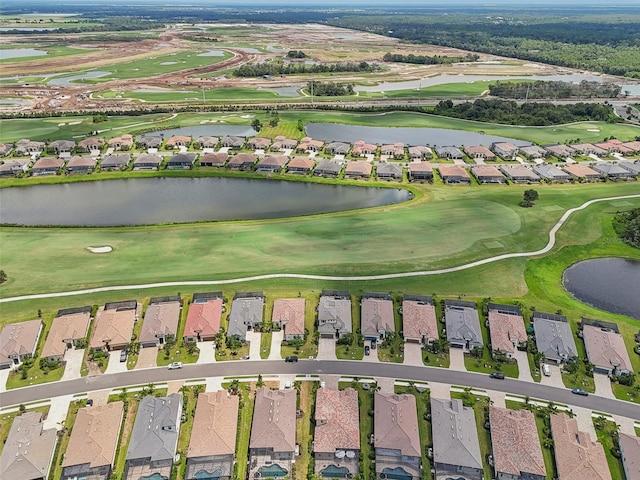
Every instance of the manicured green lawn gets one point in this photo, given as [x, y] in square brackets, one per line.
[213, 94]
[367, 452]
[304, 428]
[265, 345]
[245, 415]
[607, 434]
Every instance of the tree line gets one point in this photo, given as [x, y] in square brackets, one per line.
[329, 89]
[627, 226]
[282, 68]
[428, 60]
[550, 90]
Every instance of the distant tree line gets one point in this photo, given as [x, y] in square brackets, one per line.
[550, 90]
[296, 54]
[329, 89]
[286, 68]
[427, 60]
[532, 113]
[627, 226]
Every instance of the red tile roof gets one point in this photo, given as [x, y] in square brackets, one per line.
[204, 318]
[337, 420]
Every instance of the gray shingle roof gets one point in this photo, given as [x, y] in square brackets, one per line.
[554, 337]
[463, 324]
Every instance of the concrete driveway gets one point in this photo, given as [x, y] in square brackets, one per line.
[524, 372]
[326, 349]
[254, 345]
[456, 356]
[4, 376]
[603, 385]
[555, 379]
[373, 357]
[412, 354]
[115, 365]
[585, 421]
[73, 363]
[58, 412]
[147, 358]
[276, 344]
[207, 352]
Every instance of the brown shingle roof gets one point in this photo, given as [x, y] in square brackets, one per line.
[337, 421]
[274, 420]
[479, 150]
[79, 161]
[396, 423]
[358, 168]
[377, 314]
[215, 425]
[94, 438]
[580, 171]
[577, 456]
[204, 318]
[630, 450]
[113, 327]
[453, 171]
[160, 319]
[419, 320]
[420, 167]
[504, 329]
[605, 348]
[219, 158]
[19, 339]
[48, 162]
[241, 158]
[289, 311]
[301, 163]
[68, 327]
[486, 171]
[514, 437]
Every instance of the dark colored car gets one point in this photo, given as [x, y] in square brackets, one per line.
[579, 391]
[367, 350]
[291, 358]
[498, 375]
[373, 345]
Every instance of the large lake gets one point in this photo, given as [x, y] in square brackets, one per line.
[333, 132]
[144, 201]
[611, 284]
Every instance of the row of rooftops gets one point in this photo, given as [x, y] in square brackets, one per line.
[505, 150]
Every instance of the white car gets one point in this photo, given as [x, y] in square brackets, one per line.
[174, 365]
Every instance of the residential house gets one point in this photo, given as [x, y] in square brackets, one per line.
[420, 152]
[14, 166]
[505, 150]
[242, 161]
[420, 171]
[289, 315]
[178, 141]
[517, 454]
[81, 164]
[419, 323]
[480, 152]
[519, 173]
[614, 146]
[118, 161]
[247, 310]
[91, 451]
[18, 341]
[632, 167]
[376, 316]
[154, 438]
[577, 456]
[160, 320]
[605, 347]
[90, 145]
[630, 455]
[204, 317]
[281, 143]
[613, 171]
[451, 153]
[355, 169]
[308, 144]
[231, 141]
[206, 141]
[212, 446]
[5, 149]
[533, 152]
[396, 438]
[258, 143]
[272, 444]
[581, 172]
[554, 338]
[389, 171]
[25, 147]
[552, 173]
[181, 161]
[395, 150]
[454, 174]
[338, 148]
[362, 149]
[456, 448]
[634, 146]
[336, 441]
[589, 149]
[560, 151]
[149, 141]
[69, 327]
[214, 159]
[301, 165]
[113, 325]
[506, 327]
[334, 314]
[61, 147]
[28, 452]
[147, 161]
[327, 168]
[47, 166]
[271, 163]
[123, 142]
[462, 324]
[488, 174]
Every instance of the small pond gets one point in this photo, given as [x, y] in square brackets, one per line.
[74, 78]
[144, 201]
[408, 135]
[611, 284]
[211, 53]
[213, 129]
[6, 53]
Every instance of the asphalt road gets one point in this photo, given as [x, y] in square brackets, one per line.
[315, 367]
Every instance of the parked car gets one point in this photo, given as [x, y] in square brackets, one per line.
[373, 345]
[498, 375]
[123, 355]
[174, 365]
[546, 370]
[90, 402]
[579, 391]
[291, 358]
[367, 350]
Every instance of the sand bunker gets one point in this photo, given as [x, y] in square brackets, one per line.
[593, 129]
[105, 249]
